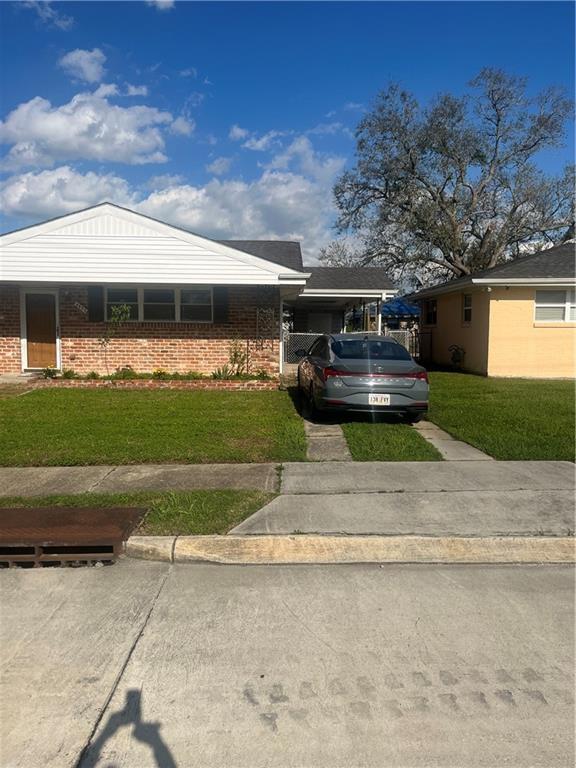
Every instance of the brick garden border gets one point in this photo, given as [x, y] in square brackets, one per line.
[204, 384]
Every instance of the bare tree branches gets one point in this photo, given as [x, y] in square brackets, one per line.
[451, 188]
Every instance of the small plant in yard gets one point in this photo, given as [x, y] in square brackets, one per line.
[92, 375]
[239, 357]
[225, 372]
[49, 373]
[68, 373]
[162, 375]
[119, 314]
[126, 372]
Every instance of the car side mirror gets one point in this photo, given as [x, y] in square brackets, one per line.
[300, 353]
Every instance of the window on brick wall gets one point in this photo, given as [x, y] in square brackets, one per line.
[159, 304]
[120, 297]
[555, 307]
[196, 304]
[190, 304]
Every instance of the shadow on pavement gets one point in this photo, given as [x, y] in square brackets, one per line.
[147, 733]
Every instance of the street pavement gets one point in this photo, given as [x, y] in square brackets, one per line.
[145, 664]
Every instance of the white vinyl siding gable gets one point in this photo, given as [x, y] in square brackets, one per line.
[115, 246]
[555, 307]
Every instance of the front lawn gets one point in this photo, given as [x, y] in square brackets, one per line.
[386, 441]
[71, 427]
[507, 418]
[192, 513]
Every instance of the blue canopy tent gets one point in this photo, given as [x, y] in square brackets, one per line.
[400, 308]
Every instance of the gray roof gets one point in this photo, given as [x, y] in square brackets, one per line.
[340, 278]
[557, 262]
[284, 252]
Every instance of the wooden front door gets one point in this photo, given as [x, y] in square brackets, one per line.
[41, 330]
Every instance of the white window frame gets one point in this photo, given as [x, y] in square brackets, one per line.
[567, 303]
[177, 299]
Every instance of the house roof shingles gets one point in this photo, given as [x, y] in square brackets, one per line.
[286, 253]
[342, 278]
[558, 262]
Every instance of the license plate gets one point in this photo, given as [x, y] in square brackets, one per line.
[378, 399]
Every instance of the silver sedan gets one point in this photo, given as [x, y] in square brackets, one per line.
[358, 372]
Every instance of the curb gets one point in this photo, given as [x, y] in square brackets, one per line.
[331, 550]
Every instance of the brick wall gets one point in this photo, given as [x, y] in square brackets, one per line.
[9, 329]
[145, 346]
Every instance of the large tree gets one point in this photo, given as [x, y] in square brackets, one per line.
[447, 189]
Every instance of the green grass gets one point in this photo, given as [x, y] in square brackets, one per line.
[384, 441]
[74, 427]
[507, 418]
[191, 513]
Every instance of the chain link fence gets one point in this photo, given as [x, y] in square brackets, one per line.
[296, 341]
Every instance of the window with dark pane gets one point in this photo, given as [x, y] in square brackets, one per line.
[196, 305]
[122, 297]
[159, 304]
[467, 307]
[430, 312]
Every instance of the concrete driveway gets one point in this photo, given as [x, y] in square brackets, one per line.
[146, 664]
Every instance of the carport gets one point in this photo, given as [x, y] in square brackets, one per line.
[321, 307]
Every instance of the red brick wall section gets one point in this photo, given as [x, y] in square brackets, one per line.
[217, 384]
[10, 329]
[178, 347]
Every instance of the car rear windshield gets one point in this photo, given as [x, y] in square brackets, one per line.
[369, 349]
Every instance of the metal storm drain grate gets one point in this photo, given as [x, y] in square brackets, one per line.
[44, 537]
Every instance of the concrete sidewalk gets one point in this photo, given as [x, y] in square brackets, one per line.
[43, 481]
[297, 478]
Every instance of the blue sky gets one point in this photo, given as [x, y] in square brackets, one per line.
[235, 119]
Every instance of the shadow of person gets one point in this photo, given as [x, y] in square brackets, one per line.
[147, 733]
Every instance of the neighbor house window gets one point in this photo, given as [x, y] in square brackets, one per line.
[430, 312]
[163, 304]
[122, 297]
[467, 307]
[555, 307]
[159, 304]
[196, 304]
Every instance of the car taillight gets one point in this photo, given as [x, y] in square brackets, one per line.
[327, 372]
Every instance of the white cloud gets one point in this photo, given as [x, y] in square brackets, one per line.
[161, 5]
[164, 181]
[264, 142]
[60, 190]
[291, 201]
[301, 156]
[106, 89]
[237, 133]
[136, 90]
[354, 106]
[219, 166]
[88, 127]
[182, 126]
[48, 15]
[87, 66]
[189, 72]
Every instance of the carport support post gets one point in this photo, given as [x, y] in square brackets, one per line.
[379, 317]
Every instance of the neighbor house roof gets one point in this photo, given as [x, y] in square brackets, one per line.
[286, 253]
[553, 266]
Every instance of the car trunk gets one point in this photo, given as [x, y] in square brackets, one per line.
[378, 374]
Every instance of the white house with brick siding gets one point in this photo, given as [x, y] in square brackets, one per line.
[188, 296]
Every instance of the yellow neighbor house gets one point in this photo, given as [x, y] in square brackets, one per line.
[518, 319]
